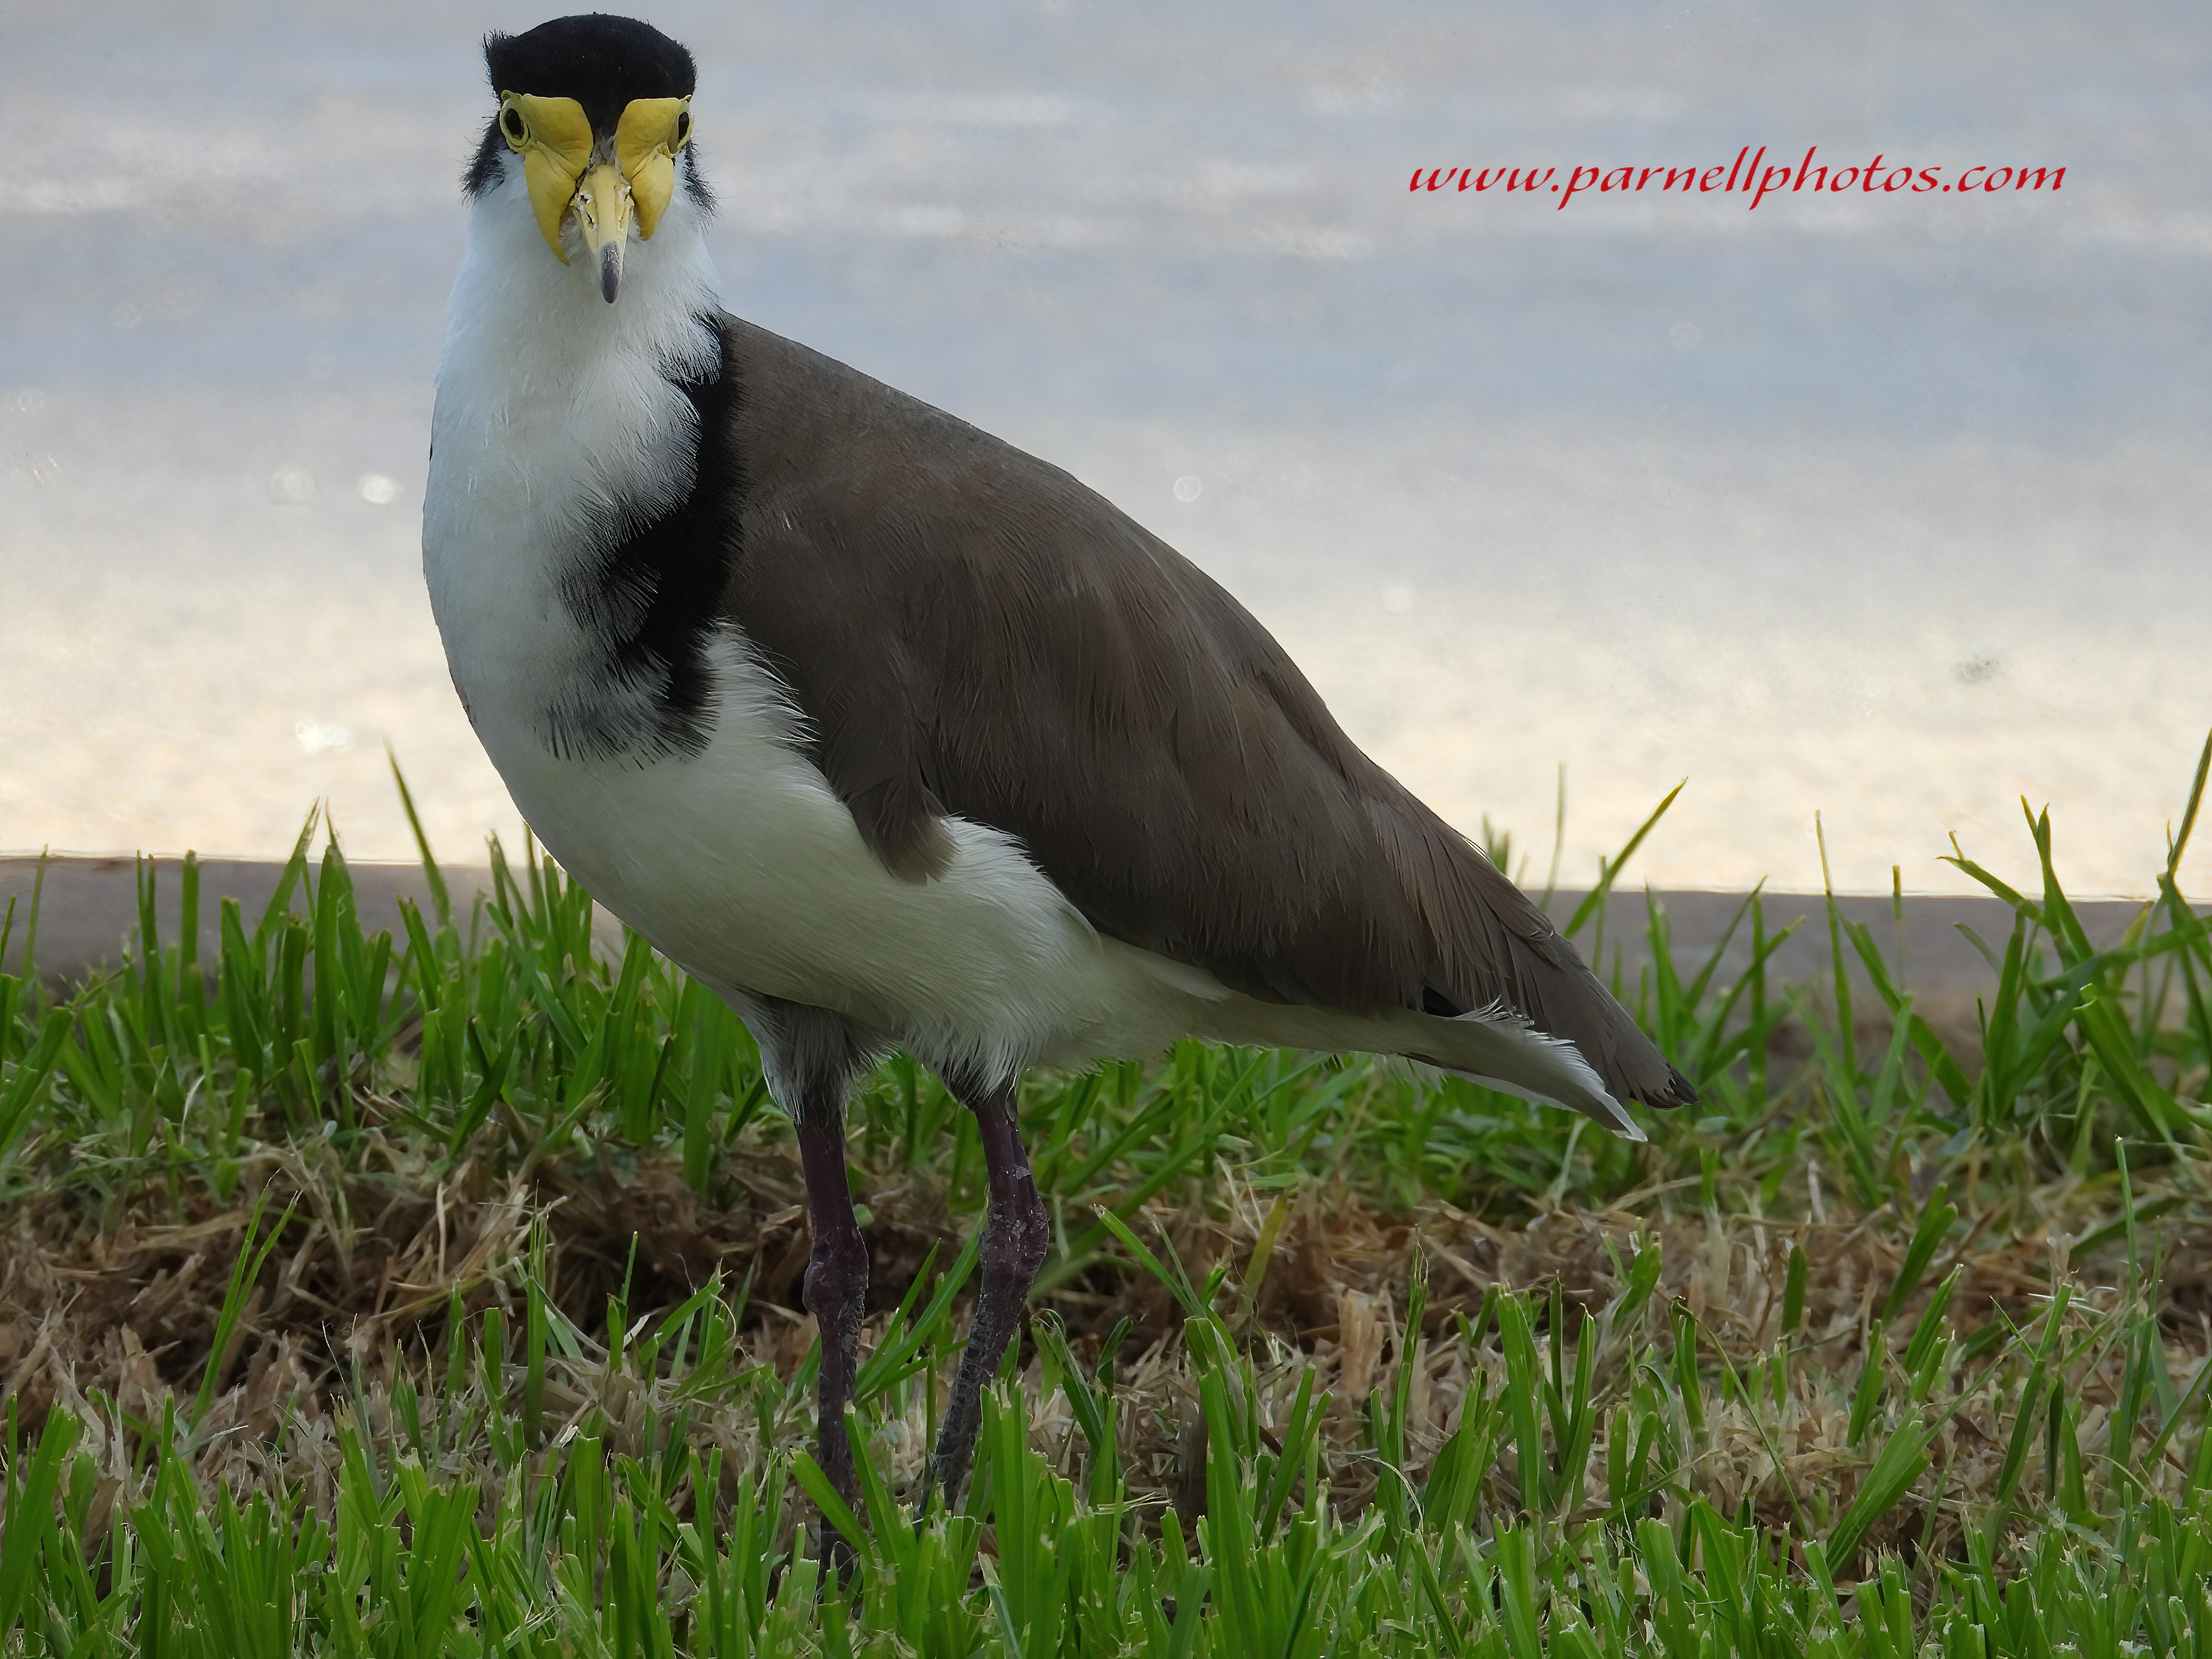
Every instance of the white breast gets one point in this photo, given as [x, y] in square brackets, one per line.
[555, 409]
[737, 862]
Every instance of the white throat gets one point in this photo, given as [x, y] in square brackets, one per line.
[558, 421]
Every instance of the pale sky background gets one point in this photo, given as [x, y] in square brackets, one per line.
[1893, 508]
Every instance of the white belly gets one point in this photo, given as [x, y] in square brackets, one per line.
[741, 865]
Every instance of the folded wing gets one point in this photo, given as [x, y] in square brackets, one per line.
[968, 630]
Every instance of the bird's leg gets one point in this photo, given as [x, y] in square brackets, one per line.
[810, 1057]
[837, 1294]
[1016, 1231]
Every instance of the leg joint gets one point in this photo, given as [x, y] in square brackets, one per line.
[1018, 1235]
[836, 1271]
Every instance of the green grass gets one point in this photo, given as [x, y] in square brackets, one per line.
[1898, 1347]
[446, 1531]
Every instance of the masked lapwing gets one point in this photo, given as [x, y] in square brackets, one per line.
[895, 736]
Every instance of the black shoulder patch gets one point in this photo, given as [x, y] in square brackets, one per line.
[653, 595]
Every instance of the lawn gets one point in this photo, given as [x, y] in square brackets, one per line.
[438, 1293]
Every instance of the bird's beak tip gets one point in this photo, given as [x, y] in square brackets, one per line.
[603, 208]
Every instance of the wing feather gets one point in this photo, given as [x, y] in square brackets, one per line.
[971, 631]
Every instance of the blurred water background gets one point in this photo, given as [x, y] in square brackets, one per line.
[1891, 508]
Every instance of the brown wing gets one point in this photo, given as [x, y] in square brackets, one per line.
[969, 630]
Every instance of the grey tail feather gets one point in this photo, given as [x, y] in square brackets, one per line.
[1545, 979]
[1501, 1049]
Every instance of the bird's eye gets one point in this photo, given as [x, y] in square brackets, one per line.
[511, 124]
[682, 129]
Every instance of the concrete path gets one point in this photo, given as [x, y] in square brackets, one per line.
[89, 907]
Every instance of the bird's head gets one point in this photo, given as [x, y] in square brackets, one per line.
[594, 125]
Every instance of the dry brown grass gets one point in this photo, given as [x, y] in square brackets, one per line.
[113, 1315]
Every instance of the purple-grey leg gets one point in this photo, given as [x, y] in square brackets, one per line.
[1016, 1232]
[837, 1294]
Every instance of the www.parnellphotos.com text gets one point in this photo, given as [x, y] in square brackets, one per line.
[1758, 180]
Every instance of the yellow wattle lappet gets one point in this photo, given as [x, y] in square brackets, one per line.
[570, 176]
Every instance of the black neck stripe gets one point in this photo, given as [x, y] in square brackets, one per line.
[653, 594]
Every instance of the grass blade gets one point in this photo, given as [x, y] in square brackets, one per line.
[1611, 871]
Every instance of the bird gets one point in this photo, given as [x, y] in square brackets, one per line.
[896, 737]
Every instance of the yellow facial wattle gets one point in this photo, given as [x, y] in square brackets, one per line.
[646, 139]
[553, 135]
